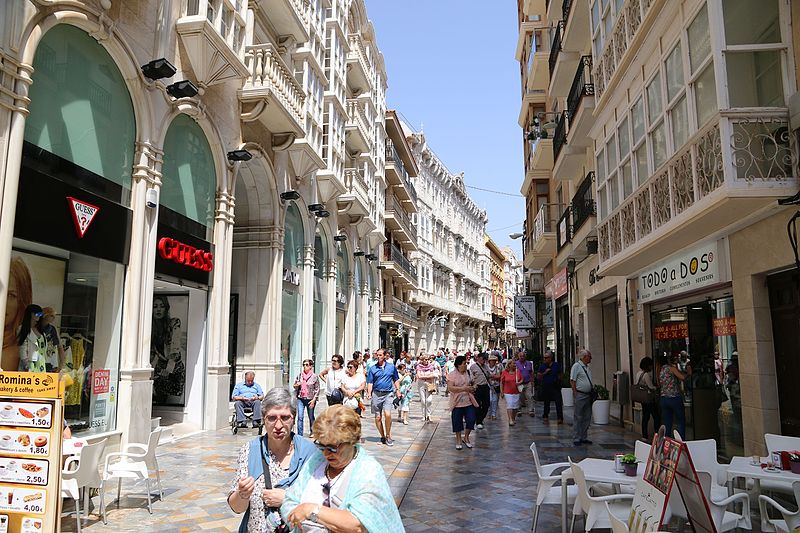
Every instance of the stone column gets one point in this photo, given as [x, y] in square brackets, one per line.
[307, 291]
[13, 98]
[219, 299]
[135, 386]
[375, 320]
[330, 310]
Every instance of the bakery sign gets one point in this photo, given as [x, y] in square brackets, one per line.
[697, 267]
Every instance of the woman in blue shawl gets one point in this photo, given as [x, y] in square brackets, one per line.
[342, 487]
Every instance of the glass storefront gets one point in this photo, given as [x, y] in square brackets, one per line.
[292, 304]
[703, 335]
[319, 338]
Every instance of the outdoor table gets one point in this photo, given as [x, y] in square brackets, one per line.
[743, 467]
[595, 471]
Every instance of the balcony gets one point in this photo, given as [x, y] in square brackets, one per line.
[576, 24]
[538, 75]
[535, 7]
[396, 310]
[555, 47]
[580, 104]
[530, 98]
[583, 214]
[540, 159]
[288, 17]
[278, 97]
[398, 221]
[560, 135]
[563, 230]
[397, 176]
[543, 238]
[632, 25]
[357, 195]
[357, 128]
[728, 172]
[397, 264]
[359, 69]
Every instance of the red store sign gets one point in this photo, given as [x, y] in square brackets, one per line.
[183, 254]
[100, 381]
[724, 326]
[560, 284]
[668, 332]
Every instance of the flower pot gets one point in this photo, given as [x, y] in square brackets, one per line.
[566, 397]
[631, 469]
[795, 466]
[600, 412]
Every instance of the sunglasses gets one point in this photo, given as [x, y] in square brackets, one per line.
[329, 448]
[38, 315]
[326, 493]
[306, 364]
[274, 418]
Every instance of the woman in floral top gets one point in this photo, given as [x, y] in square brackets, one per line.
[671, 398]
[283, 451]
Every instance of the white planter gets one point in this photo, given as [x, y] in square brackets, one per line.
[600, 412]
[566, 397]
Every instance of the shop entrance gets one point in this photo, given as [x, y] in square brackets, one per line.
[177, 353]
[703, 335]
[784, 302]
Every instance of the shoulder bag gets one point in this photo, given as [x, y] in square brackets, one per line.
[592, 393]
[281, 526]
[520, 385]
[641, 393]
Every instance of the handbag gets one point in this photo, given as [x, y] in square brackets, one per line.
[641, 393]
[520, 386]
[431, 387]
[282, 526]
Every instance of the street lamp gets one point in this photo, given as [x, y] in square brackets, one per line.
[516, 236]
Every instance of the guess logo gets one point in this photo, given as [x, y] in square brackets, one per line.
[183, 254]
[82, 215]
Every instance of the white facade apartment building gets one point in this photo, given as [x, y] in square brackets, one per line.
[514, 286]
[300, 86]
[453, 293]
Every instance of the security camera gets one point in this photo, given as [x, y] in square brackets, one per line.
[151, 198]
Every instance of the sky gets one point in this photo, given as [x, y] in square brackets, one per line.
[452, 73]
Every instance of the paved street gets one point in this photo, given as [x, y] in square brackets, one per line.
[438, 487]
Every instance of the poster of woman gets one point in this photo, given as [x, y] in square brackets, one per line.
[168, 348]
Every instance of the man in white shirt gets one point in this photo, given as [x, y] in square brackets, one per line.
[580, 377]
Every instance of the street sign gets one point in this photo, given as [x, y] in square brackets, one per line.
[525, 312]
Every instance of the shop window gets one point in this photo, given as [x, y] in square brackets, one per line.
[319, 347]
[189, 178]
[80, 333]
[357, 280]
[291, 311]
[81, 110]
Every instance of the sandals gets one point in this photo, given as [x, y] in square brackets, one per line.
[458, 447]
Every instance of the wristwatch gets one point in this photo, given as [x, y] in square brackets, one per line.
[314, 515]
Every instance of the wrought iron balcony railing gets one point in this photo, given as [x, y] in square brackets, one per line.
[555, 47]
[560, 135]
[583, 206]
[392, 253]
[581, 85]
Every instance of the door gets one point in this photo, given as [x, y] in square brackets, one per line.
[784, 302]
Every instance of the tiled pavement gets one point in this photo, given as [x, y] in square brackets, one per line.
[491, 486]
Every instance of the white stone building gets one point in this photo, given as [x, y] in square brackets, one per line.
[453, 291]
[513, 280]
[201, 262]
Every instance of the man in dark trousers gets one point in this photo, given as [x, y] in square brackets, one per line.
[479, 375]
[550, 379]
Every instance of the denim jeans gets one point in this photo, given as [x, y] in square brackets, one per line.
[672, 407]
[648, 410]
[494, 397]
[305, 404]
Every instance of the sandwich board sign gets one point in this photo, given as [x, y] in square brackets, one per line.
[669, 465]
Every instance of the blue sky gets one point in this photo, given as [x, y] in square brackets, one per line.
[451, 69]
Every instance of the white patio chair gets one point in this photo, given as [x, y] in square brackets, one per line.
[136, 466]
[725, 520]
[85, 476]
[704, 458]
[789, 521]
[549, 489]
[596, 508]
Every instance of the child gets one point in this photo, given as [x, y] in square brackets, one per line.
[405, 391]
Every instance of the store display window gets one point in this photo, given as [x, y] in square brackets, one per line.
[292, 302]
[78, 333]
[319, 348]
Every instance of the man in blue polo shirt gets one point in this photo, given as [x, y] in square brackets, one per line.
[383, 385]
[248, 394]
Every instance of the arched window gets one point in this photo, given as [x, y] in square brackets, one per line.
[319, 345]
[293, 237]
[81, 110]
[188, 183]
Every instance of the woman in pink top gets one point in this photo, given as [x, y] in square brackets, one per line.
[462, 402]
[508, 389]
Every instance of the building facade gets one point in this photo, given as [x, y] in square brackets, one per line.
[497, 290]
[681, 118]
[220, 231]
[452, 294]
[513, 286]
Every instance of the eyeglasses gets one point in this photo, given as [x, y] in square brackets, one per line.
[306, 364]
[38, 315]
[328, 447]
[283, 418]
[351, 367]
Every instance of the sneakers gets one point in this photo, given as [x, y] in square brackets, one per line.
[585, 441]
[468, 444]
[405, 422]
[383, 440]
[389, 442]
[479, 426]
[458, 447]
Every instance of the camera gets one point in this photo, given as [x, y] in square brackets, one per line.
[151, 198]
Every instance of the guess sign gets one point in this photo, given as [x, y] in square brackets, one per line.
[100, 381]
[183, 254]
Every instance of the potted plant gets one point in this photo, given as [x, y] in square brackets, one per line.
[601, 408]
[566, 389]
[794, 461]
[630, 463]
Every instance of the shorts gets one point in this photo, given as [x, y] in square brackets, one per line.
[512, 401]
[382, 402]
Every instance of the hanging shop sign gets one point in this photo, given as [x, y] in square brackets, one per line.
[182, 255]
[560, 284]
[724, 327]
[697, 267]
[31, 427]
[524, 312]
[669, 332]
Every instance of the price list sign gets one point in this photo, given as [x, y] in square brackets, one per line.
[31, 428]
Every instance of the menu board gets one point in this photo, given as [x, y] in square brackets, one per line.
[31, 428]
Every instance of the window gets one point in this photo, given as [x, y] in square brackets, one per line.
[658, 141]
[699, 39]
[755, 79]
[748, 22]
[680, 123]
[701, 66]
[673, 68]
[654, 99]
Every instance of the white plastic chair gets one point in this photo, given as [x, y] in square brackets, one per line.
[549, 488]
[85, 476]
[789, 521]
[596, 508]
[136, 466]
[620, 526]
[642, 451]
[704, 458]
[725, 520]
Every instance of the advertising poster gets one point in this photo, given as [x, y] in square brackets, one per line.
[168, 348]
[694, 501]
[653, 490]
[31, 426]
